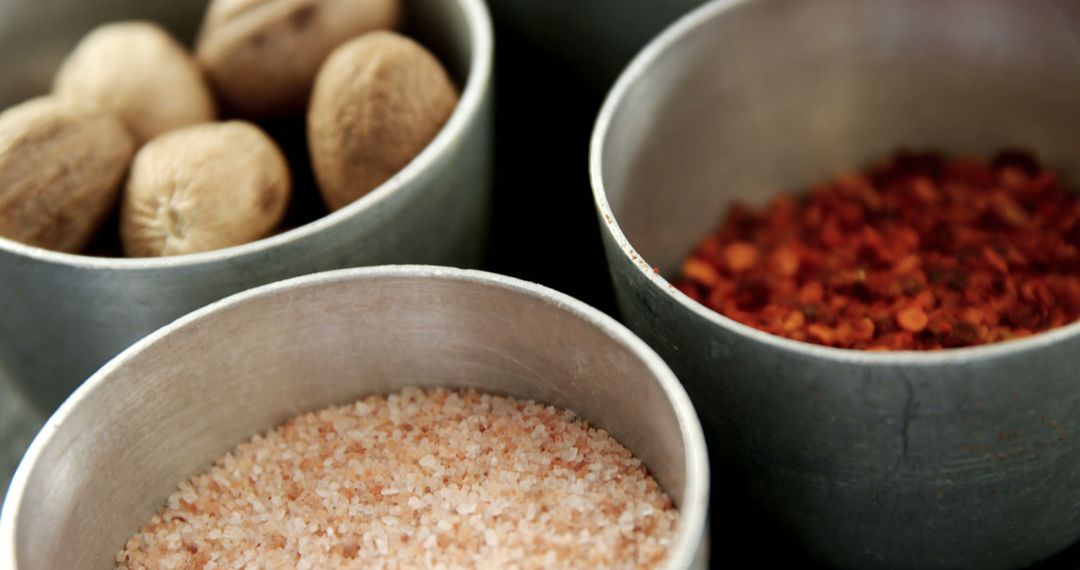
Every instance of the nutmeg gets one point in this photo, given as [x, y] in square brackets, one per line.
[203, 188]
[140, 74]
[61, 167]
[378, 101]
[262, 55]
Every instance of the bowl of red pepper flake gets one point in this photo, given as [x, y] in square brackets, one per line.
[882, 344]
[917, 253]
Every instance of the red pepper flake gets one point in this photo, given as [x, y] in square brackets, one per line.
[912, 319]
[821, 334]
[740, 256]
[812, 293]
[785, 261]
[794, 321]
[917, 253]
[700, 272]
[995, 260]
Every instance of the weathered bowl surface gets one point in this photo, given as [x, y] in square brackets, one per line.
[961, 458]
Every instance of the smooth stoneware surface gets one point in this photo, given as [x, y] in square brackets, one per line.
[66, 315]
[960, 459]
[167, 407]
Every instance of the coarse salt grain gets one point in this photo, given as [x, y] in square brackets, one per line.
[431, 478]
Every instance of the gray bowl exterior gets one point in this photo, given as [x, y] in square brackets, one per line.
[165, 408]
[959, 459]
[65, 315]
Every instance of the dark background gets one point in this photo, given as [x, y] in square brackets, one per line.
[544, 226]
[545, 229]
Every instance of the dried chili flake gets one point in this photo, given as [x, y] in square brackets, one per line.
[912, 319]
[917, 253]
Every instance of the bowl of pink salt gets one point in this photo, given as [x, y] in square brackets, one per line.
[382, 417]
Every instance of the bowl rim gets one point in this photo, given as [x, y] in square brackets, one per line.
[469, 107]
[639, 71]
[691, 532]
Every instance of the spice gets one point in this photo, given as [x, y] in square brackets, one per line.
[428, 479]
[139, 74]
[378, 101]
[61, 169]
[917, 253]
[203, 187]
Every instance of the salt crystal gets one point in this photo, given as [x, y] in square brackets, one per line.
[495, 510]
[429, 461]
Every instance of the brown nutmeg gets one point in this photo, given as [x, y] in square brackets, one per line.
[61, 167]
[378, 101]
[262, 55]
[139, 73]
[203, 188]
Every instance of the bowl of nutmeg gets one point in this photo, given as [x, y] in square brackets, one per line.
[852, 229]
[156, 157]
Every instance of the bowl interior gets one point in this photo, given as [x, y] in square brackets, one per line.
[166, 408]
[744, 100]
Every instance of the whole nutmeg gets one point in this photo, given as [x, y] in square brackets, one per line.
[203, 188]
[378, 101]
[262, 55]
[138, 72]
[61, 166]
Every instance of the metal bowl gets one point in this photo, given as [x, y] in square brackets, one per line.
[959, 458]
[65, 315]
[170, 404]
